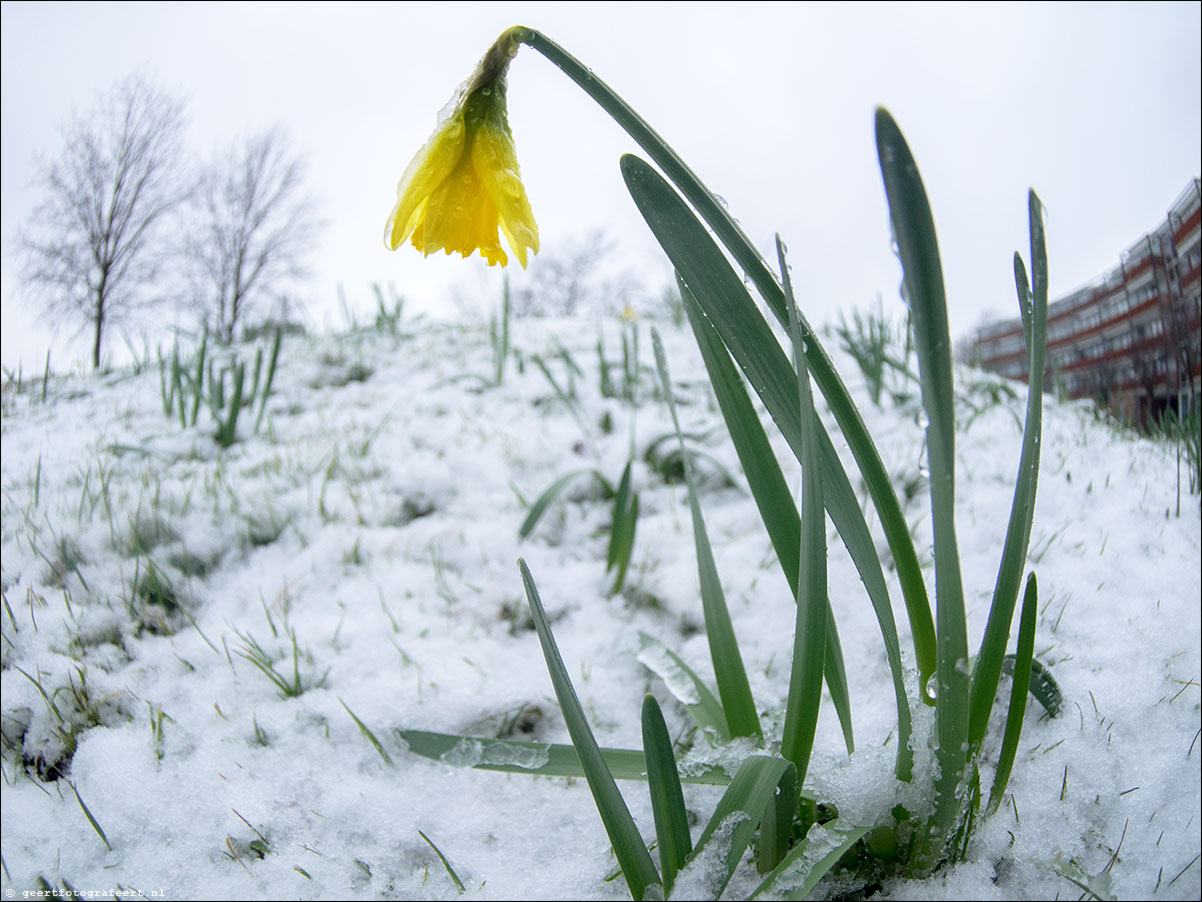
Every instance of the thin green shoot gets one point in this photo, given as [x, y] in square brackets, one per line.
[446, 864]
[621, 529]
[498, 335]
[91, 818]
[252, 651]
[371, 737]
[568, 397]
[273, 361]
[227, 432]
[197, 379]
[733, 687]
[868, 339]
[553, 491]
[1033, 305]
[632, 855]
[667, 801]
[1018, 694]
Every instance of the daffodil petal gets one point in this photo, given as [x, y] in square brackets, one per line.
[425, 172]
[495, 161]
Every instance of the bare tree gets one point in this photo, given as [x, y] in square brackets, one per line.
[252, 230]
[577, 275]
[90, 249]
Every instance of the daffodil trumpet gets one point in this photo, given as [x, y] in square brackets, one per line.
[465, 184]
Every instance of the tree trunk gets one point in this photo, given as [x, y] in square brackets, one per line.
[98, 320]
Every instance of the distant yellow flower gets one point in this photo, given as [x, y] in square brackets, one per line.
[465, 183]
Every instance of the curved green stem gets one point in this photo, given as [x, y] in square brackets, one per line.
[748, 257]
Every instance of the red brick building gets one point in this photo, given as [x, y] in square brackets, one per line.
[1131, 339]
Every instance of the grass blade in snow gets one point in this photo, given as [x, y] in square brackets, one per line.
[726, 304]
[371, 737]
[446, 864]
[809, 634]
[750, 793]
[632, 855]
[833, 838]
[88, 814]
[621, 529]
[543, 501]
[914, 231]
[198, 379]
[1022, 510]
[776, 825]
[667, 801]
[271, 365]
[684, 683]
[535, 758]
[1018, 693]
[733, 687]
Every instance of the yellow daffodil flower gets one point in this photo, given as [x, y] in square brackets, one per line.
[465, 183]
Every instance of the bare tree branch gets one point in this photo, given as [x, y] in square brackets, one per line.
[91, 248]
[251, 229]
[578, 275]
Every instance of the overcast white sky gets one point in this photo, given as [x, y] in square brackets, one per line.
[1096, 106]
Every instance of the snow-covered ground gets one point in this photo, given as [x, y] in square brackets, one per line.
[374, 518]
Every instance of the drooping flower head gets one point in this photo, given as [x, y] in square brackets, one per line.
[465, 183]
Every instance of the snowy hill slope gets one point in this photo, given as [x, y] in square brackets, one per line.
[361, 546]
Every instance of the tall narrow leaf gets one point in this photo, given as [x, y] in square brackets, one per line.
[733, 687]
[271, 365]
[446, 864]
[1022, 510]
[729, 232]
[1018, 693]
[776, 825]
[667, 800]
[198, 378]
[632, 855]
[750, 794]
[91, 818]
[774, 500]
[914, 231]
[726, 304]
[809, 635]
[540, 505]
[621, 529]
[535, 758]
